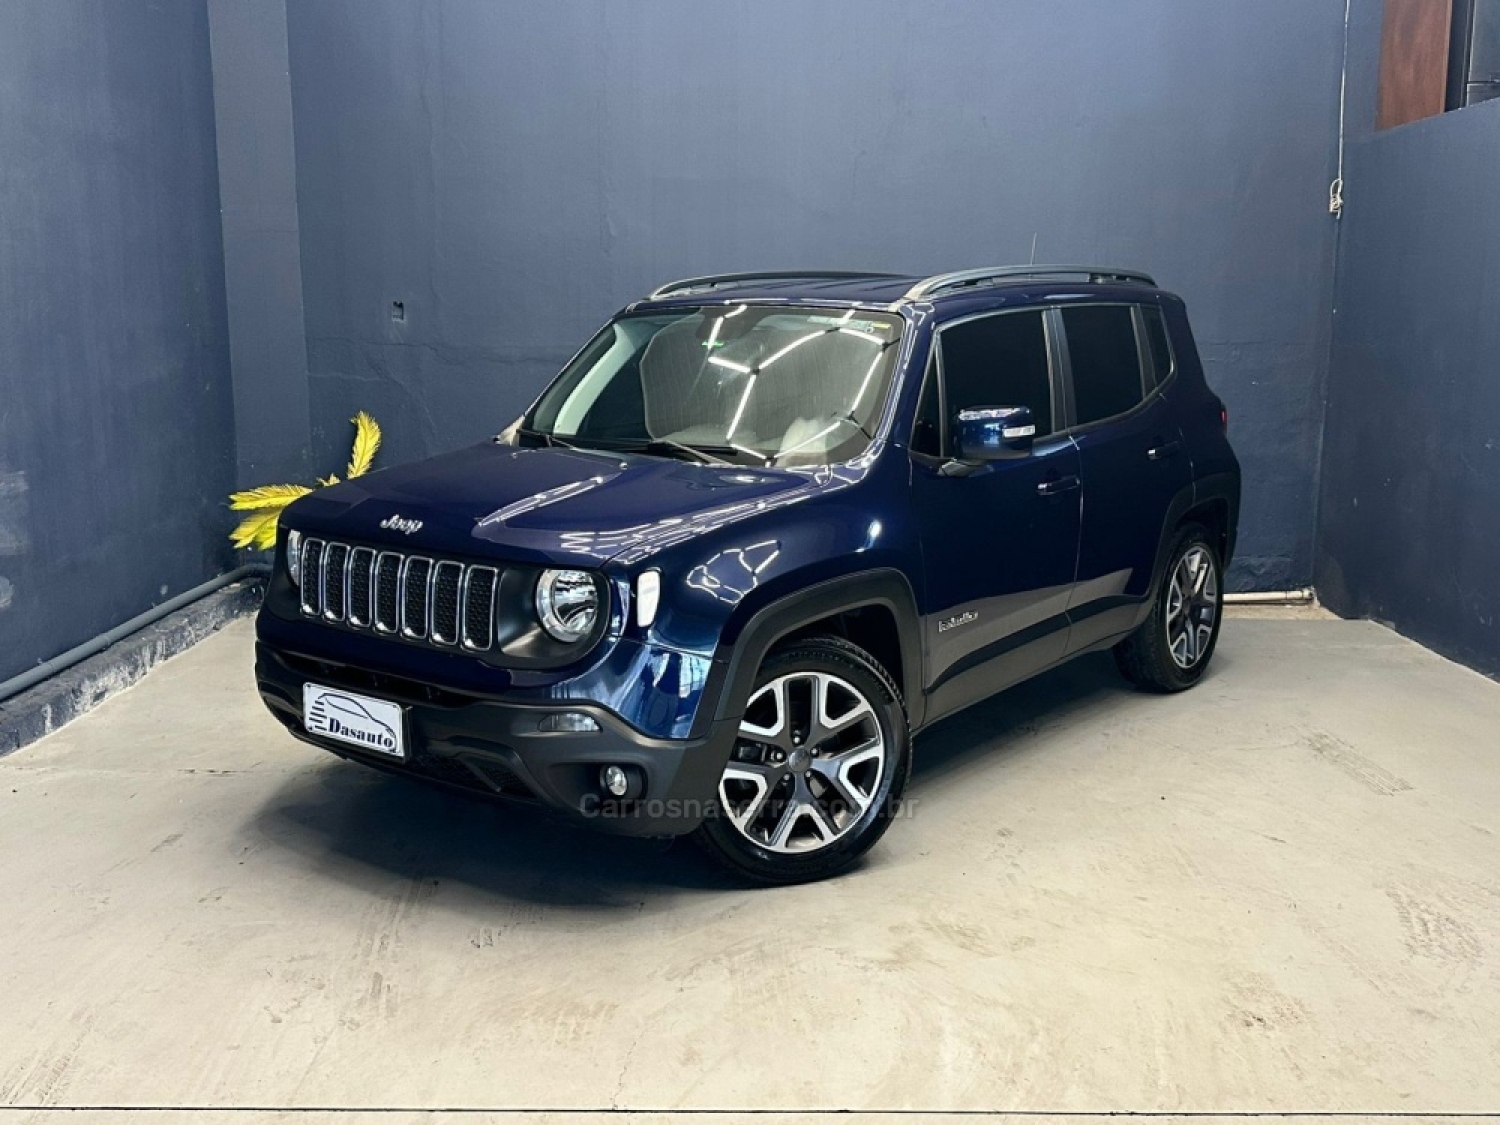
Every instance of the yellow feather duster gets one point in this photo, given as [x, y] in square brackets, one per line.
[267, 496]
[265, 504]
[257, 530]
[366, 442]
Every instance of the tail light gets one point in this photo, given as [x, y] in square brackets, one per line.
[1224, 418]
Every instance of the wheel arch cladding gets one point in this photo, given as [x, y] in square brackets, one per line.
[829, 607]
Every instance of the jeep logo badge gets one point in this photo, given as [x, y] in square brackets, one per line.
[401, 524]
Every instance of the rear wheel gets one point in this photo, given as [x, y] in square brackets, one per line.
[1171, 649]
[821, 761]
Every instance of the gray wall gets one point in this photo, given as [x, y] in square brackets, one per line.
[513, 172]
[262, 246]
[116, 426]
[1409, 524]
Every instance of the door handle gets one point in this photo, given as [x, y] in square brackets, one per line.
[1162, 452]
[1061, 484]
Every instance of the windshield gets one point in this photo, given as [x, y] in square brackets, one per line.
[776, 385]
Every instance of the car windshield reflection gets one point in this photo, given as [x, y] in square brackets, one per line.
[742, 384]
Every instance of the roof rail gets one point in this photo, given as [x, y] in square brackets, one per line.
[719, 280]
[963, 279]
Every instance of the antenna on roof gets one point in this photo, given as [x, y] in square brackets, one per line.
[1033, 249]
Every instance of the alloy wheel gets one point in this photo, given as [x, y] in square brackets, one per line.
[807, 764]
[1192, 606]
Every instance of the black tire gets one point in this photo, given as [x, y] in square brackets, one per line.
[1146, 657]
[847, 666]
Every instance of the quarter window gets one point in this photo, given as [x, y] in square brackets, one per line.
[927, 433]
[999, 361]
[1156, 344]
[1105, 360]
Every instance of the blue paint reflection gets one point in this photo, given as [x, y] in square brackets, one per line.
[731, 574]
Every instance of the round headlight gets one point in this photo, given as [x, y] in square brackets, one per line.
[294, 556]
[567, 603]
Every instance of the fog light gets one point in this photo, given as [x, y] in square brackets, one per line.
[569, 722]
[621, 781]
[615, 781]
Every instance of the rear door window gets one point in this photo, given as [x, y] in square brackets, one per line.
[1105, 360]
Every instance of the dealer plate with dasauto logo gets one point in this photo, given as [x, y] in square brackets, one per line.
[373, 725]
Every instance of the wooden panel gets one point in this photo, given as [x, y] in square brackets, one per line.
[1413, 60]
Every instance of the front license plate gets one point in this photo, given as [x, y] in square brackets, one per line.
[370, 724]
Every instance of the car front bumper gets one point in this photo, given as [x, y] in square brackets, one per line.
[497, 749]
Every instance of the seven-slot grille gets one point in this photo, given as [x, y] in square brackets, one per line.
[439, 601]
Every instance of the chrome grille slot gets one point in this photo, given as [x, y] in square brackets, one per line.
[416, 597]
[440, 602]
[387, 592]
[361, 587]
[478, 607]
[311, 579]
[335, 581]
[446, 579]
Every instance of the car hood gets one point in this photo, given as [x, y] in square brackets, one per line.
[551, 505]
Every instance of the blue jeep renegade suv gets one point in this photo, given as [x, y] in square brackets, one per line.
[757, 532]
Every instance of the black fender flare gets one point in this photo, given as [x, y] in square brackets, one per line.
[1219, 486]
[732, 674]
[1225, 487]
[1184, 502]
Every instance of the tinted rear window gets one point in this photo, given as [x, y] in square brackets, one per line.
[1105, 360]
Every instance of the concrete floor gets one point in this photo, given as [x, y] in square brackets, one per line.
[1276, 893]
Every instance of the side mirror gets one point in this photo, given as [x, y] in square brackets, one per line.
[995, 433]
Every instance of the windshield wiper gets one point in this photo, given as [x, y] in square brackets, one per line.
[550, 439]
[848, 416]
[703, 454]
[656, 447]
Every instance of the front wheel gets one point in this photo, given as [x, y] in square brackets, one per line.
[1171, 649]
[818, 769]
